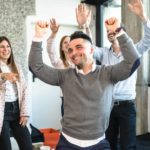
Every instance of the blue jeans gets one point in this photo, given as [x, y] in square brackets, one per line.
[63, 144]
[11, 122]
[122, 124]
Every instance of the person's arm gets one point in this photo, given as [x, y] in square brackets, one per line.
[12, 77]
[83, 17]
[144, 44]
[131, 61]
[25, 100]
[44, 72]
[137, 8]
[87, 30]
[52, 53]
[51, 45]
[98, 53]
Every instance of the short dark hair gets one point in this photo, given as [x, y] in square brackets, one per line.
[80, 34]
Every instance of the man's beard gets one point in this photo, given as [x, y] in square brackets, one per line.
[111, 37]
[81, 65]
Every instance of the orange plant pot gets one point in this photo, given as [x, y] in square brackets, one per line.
[51, 137]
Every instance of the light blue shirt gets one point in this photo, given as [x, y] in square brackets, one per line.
[124, 90]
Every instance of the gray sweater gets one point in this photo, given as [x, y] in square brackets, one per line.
[87, 98]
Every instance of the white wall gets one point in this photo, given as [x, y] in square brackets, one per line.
[62, 10]
[46, 102]
[149, 109]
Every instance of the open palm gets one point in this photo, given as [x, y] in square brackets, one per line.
[54, 26]
[136, 7]
[83, 15]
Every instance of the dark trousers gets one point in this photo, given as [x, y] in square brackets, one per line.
[63, 144]
[122, 124]
[11, 122]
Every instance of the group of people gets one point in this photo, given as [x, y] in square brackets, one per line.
[98, 101]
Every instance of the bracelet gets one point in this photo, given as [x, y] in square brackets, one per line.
[118, 29]
[83, 26]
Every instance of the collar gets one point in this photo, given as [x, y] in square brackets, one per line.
[112, 51]
[81, 71]
[2, 64]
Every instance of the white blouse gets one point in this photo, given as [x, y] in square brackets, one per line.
[11, 93]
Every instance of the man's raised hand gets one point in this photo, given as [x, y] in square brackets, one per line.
[112, 24]
[83, 15]
[136, 6]
[41, 28]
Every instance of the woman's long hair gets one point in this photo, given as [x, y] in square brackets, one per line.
[11, 61]
[62, 53]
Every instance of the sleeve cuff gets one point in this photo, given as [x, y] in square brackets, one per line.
[36, 39]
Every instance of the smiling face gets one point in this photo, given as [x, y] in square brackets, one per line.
[80, 52]
[5, 51]
[65, 44]
[111, 36]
